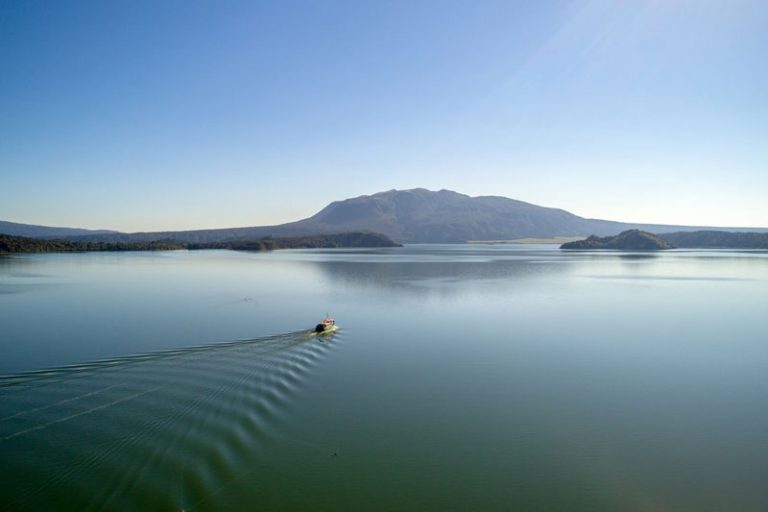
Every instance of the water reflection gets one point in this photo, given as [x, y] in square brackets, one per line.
[430, 270]
[17, 275]
[465, 378]
[429, 277]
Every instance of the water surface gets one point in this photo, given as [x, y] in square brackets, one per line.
[464, 378]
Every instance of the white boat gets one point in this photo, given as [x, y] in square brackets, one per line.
[327, 326]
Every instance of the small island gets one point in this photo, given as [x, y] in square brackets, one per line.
[631, 240]
[20, 244]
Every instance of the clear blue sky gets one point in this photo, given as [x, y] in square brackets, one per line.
[145, 115]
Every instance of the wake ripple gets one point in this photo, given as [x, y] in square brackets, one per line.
[159, 431]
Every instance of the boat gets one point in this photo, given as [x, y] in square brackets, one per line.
[327, 326]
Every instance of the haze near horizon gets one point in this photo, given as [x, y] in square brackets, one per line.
[143, 116]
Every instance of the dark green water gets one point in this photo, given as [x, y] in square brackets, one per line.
[464, 378]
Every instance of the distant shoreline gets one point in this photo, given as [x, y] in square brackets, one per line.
[553, 240]
[23, 245]
[635, 239]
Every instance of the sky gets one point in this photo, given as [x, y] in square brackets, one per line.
[153, 115]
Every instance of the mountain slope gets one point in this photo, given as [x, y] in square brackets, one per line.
[422, 216]
[31, 230]
[418, 216]
[412, 216]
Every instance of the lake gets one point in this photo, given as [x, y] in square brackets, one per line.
[464, 377]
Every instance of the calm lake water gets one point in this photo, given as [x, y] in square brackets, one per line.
[488, 378]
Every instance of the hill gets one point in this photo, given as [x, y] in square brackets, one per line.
[420, 215]
[414, 216]
[423, 216]
[630, 240]
[31, 230]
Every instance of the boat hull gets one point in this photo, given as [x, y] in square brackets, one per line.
[328, 330]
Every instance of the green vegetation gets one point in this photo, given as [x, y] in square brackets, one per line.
[636, 240]
[717, 240]
[303, 242]
[20, 244]
[631, 240]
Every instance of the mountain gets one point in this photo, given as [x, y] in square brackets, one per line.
[30, 230]
[412, 216]
[630, 240]
[420, 215]
[416, 216]
[423, 216]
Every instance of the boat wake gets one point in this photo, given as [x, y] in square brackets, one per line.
[163, 430]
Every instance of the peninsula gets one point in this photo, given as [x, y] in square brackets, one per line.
[20, 244]
[637, 240]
